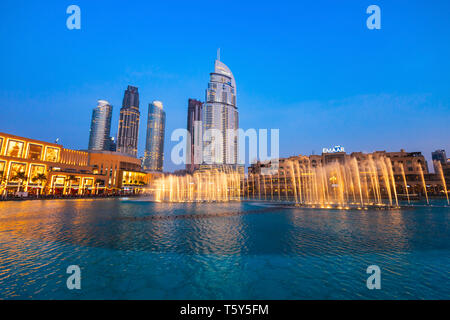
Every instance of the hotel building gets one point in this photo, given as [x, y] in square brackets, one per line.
[127, 137]
[220, 113]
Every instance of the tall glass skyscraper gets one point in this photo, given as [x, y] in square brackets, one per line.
[154, 146]
[99, 138]
[127, 137]
[194, 142]
[220, 113]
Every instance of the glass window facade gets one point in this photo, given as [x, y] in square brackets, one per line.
[15, 169]
[15, 148]
[2, 168]
[36, 170]
[154, 147]
[52, 154]
[34, 152]
[127, 136]
[99, 135]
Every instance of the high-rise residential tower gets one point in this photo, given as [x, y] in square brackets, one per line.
[154, 144]
[220, 113]
[127, 137]
[99, 138]
[194, 141]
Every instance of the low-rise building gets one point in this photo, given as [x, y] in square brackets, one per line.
[38, 167]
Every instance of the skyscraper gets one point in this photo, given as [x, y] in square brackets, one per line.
[194, 142]
[154, 144]
[220, 113]
[127, 137]
[100, 126]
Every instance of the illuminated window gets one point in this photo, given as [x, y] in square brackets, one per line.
[52, 154]
[15, 169]
[1, 144]
[2, 168]
[34, 152]
[59, 181]
[35, 170]
[15, 148]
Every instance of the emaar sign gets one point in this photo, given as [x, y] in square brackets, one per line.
[333, 150]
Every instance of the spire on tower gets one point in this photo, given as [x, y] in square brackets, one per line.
[218, 54]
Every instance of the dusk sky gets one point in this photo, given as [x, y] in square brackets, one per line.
[310, 68]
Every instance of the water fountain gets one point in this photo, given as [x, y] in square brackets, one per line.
[352, 183]
[355, 183]
[211, 185]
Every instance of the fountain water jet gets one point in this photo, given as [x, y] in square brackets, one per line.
[438, 165]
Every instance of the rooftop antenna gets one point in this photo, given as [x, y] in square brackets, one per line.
[218, 54]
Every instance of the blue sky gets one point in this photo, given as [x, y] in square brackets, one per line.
[310, 68]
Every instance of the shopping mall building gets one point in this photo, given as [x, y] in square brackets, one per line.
[38, 167]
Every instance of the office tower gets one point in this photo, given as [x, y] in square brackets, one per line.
[440, 156]
[220, 113]
[100, 126]
[127, 137]
[194, 141]
[154, 144]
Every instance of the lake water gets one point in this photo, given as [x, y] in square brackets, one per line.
[136, 249]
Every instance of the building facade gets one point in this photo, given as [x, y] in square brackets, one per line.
[408, 171]
[99, 135]
[220, 114]
[36, 167]
[195, 138]
[154, 146]
[127, 137]
[120, 172]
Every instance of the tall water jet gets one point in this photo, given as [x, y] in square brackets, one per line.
[213, 185]
[438, 165]
[422, 177]
[404, 181]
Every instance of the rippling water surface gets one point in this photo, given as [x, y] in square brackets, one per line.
[135, 249]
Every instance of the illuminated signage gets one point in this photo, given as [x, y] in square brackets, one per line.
[333, 150]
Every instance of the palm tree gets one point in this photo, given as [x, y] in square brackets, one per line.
[21, 177]
[41, 178]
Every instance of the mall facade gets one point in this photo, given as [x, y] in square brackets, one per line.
[29, 166]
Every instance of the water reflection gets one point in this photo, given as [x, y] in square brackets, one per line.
[246, 250]
[220, 228]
